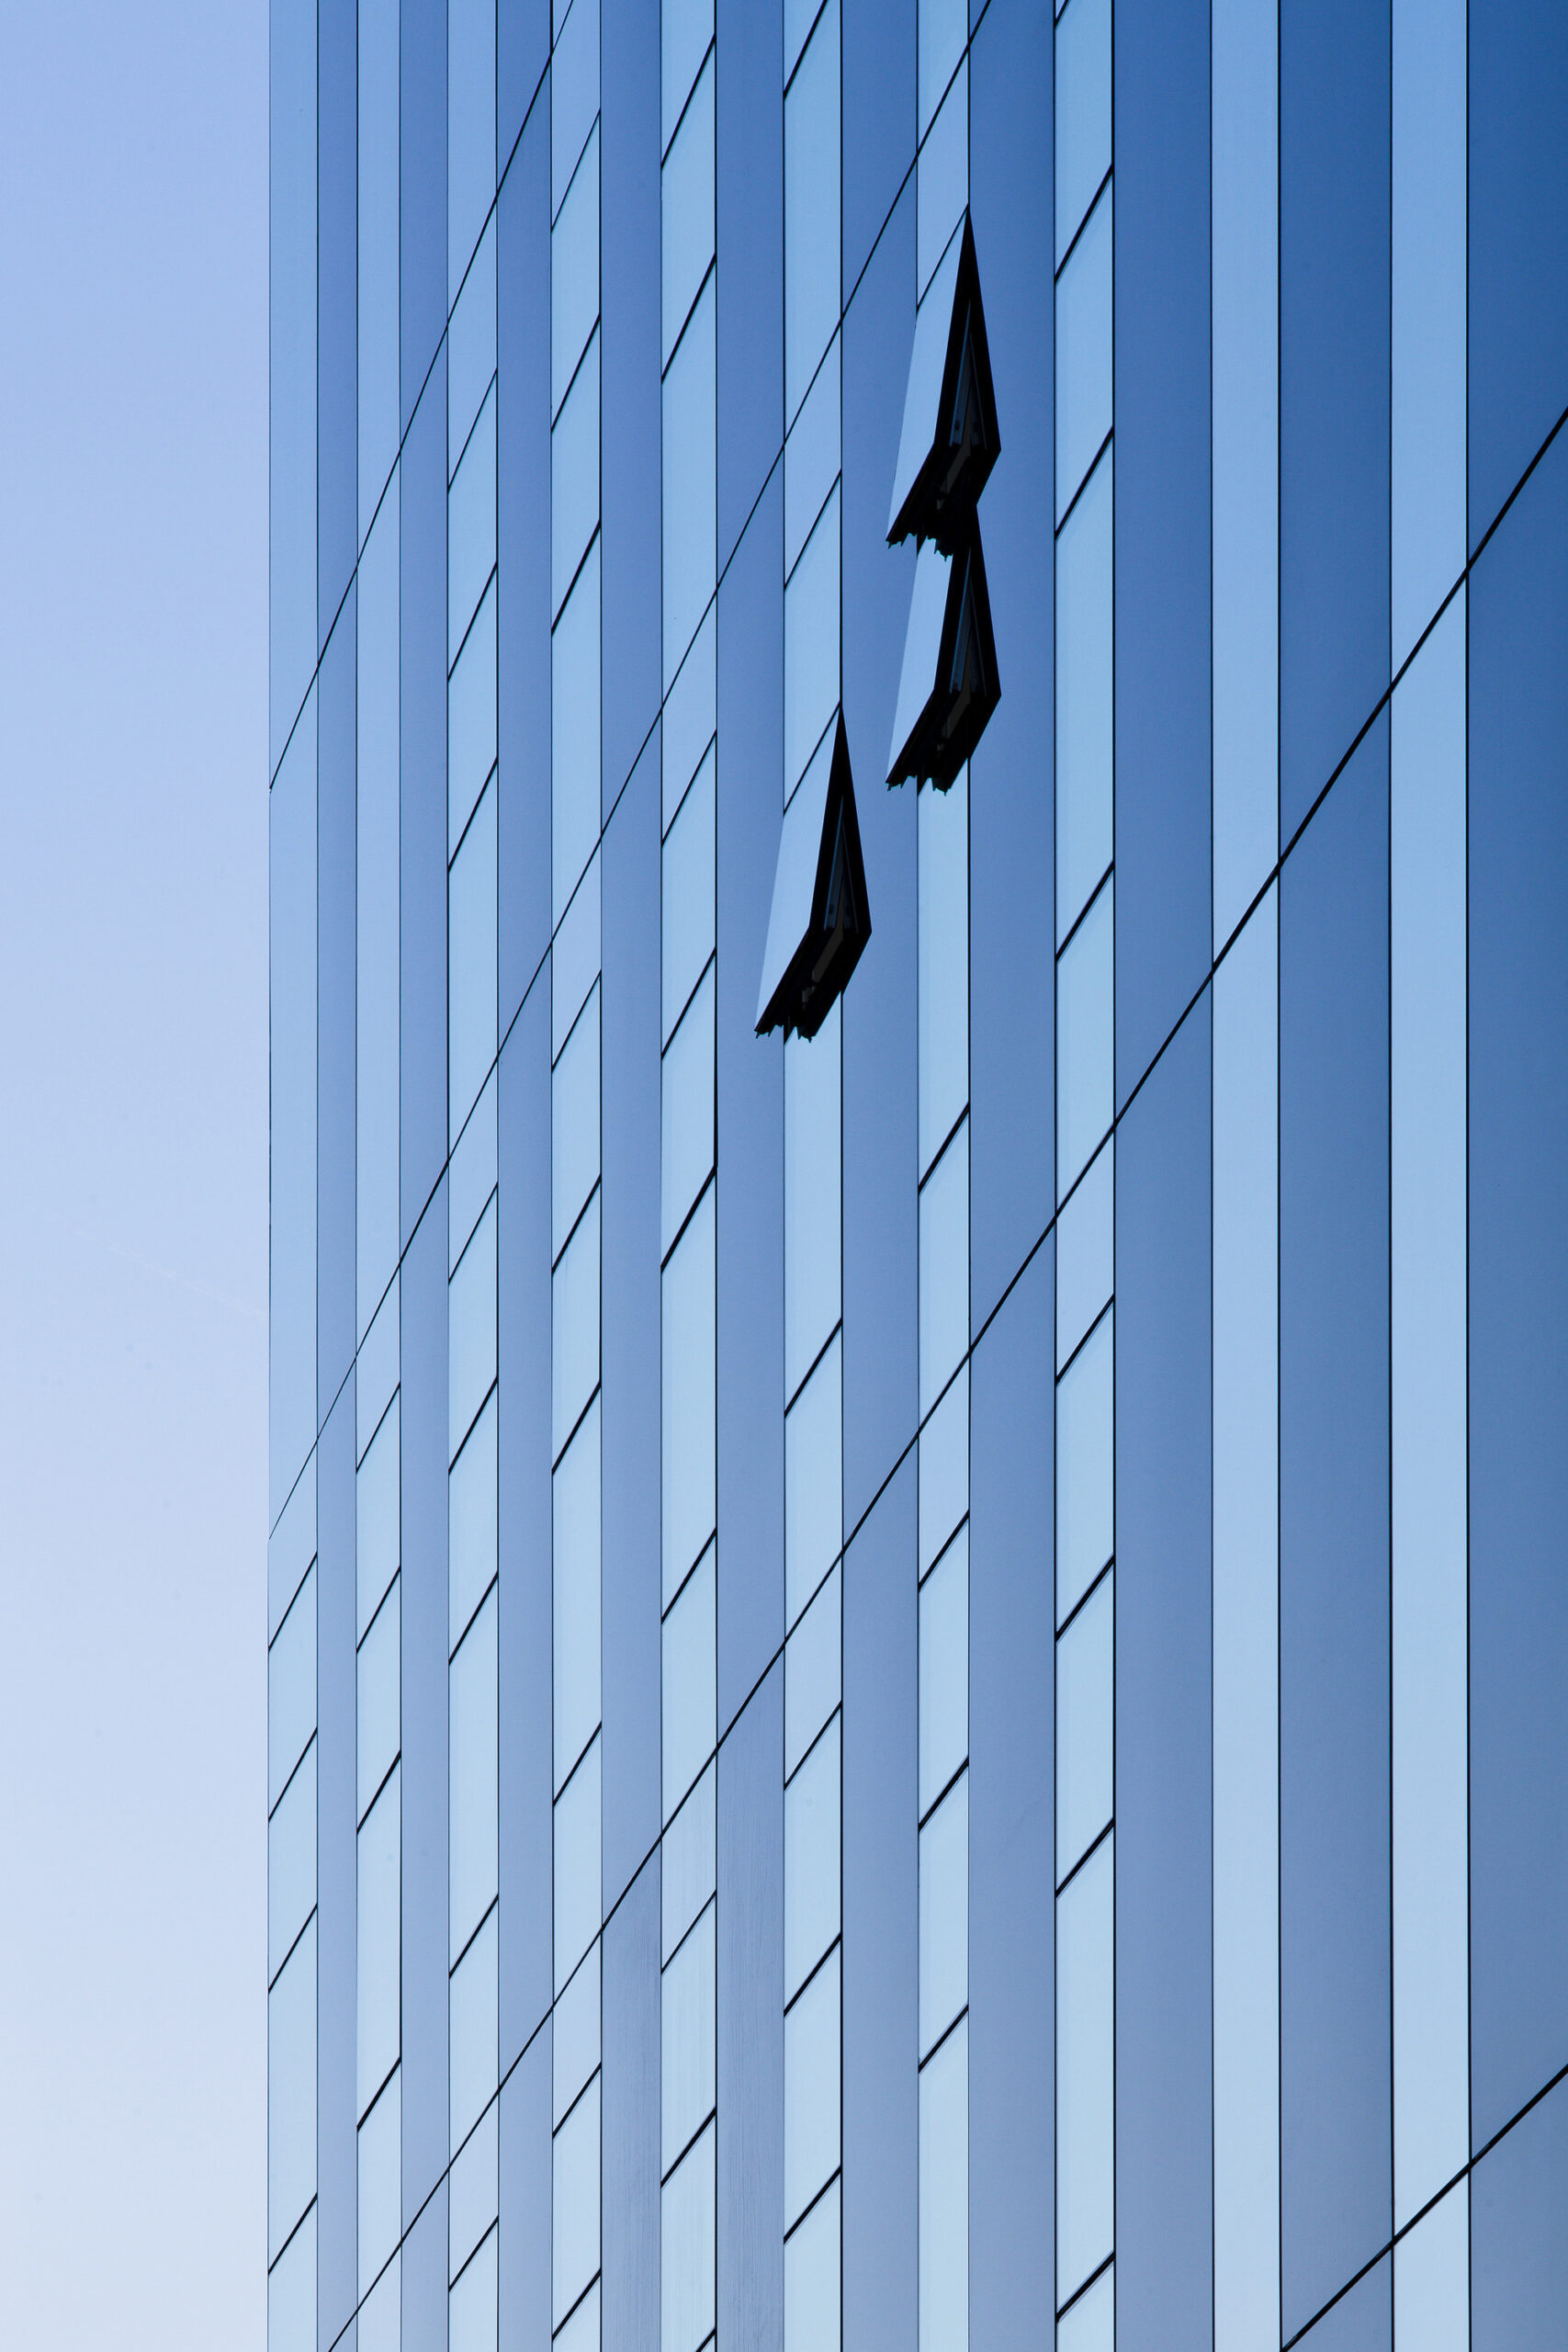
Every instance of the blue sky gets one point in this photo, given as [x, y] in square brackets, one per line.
[132, 1173]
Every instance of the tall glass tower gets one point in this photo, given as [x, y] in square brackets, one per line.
[918, 1595]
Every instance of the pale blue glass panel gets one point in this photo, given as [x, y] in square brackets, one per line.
[687, 1110]
[471, 1498]
[582, 2331]
[1086, 2071]
[1085, 699]
[1086, 1038]
[474, 1782]
[943, 959]
[811, 2314]
[291, 1689]
[473, 2199]
[376, 927]
[942, 178]
[685, 28]
[291, 2294]
[379, 2327]
[689, 714]
[378, 1515]
[1085, 1722]
[471, 1177]
[380, 2165]
[944, 1914]
[1431, 2279]
[689, 1429]
[943, 28]
[470, 527]
[811, 644]
[811, 2089]
[471, 2084]
[291, 2092]
[944, 1267]
[574, 958]
[577, 1849]
[574, 1303]
[577, 1594]
[1083, 112]
[574, 1123]
[813, 1245]
[1086, 1253]
[944, 1469]
[292, 820]
[1083, 352]
[574, 272]
[687, 2007]
[470, 129]
[291, 1547]
[1086, 1485]
[811, 455]
[292, 349]
[472, 2314]
[470, 346]
[811, 1859]
[1430, 259]
[575, 2033]
[687, 2212]
[575, 2230]
[688, 1861]
[811, 209]
[574, 476]
[687, 210]
[471, 1330]
[690, 1680]
[1428, 1075]
[574, 733]
[375, 1371]
[574, 94]
[813, 1671]
[291, 1862]
[945, 2195]
[944, 1670]
[379, 1709]
[689, 911]
[471, 962]
[814, 1480]
[470, 720]
[1090, 2325]
[690, 427]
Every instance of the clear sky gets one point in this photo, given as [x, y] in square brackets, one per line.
[132, 1173]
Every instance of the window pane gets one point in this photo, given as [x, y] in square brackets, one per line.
[813, 1671]
[574, 273]
[574, 476]
[944, 1914]
[690, 495]
[690, 715]
[811, 1859]
[687, 2007]
[812, 643]
[575, 2234]
[291, 1864]
[944, 1669]
[574, 1304]
[1085, 1253]
[471, 1329]
[474, 1776]
[811, 2312]
[471, 951]
[380, 1667]
[574, 1123]
[944, 2197]
[942, 187]
[470, 720]
[574, 93]
[688, 1872]
[690, 1669]
[1086, 1039]
[380, 2155]
[471, 2320]
[1086, 2076]
[473, 2033]
[1084, 701]
[814, 1442]
[687, 2232]
[811, 2089]
[688, 1435]
[471, 1498]
[470, 527]
[1084, 1727]
[943, 30]
[686, 206]
[943, 990]
[577, 1844]
[811, 209]
[1083, 111]
[575, 2032]
[574, 734]
[689, 892]
[1086, 1483]
[944, 1267]
[1083, 353]
[577, 1595]
[813, 1245]
[687, 1110]
[944, 1469]
[811, 457]
[291, 2092]
[291, 1689]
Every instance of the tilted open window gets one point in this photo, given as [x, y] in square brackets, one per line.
[949, 440]
[820, 920]
[949, 686]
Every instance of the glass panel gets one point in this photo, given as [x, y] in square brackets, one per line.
[1431, 2278]
[470, 129]
[1086, 1253]
[944, 1469]
[811, 209]
[687, 1110]
[574, 1298]
[1085, 2071]
[577, 1595]
[574, 476]
[380, 2167]
[811, 1859]
[291, 1689]
[575, 2032]
[942, 182]
[811, 457]
[812, 643]
[1090, 2325]
[814, 1480]
[574, 733]
[574, 273]
[687, 2008]
[686, 2233]
[575, 2234]
[291, 1864]
[574, 958]
[690, 494]
[472, 2197]
[471, 1329]
[376, 1372]
[470, 339]
[291, 2295]
[687, 210]
[377, 818]
[1085, 700]
[471, 1498]
[379, 2327]
[472, 2317]
[685, 30]
[376, 1516]
[689, 892]
[945, 2195]
[944, 1914]
[472, 1176]
[813, 1245]
[813, 1671]
[291, 2092]
[689, 1860]
[943, 28]
[380, 1665]
[689, 1432]
[811, 2089]
[473, 2031]
[474, 1777]
[577, 1834]
[943, 990]
[574, 94]
[1083, 112]
[582, 2332]
[690, 1669]
[690, 717]
[1086, 1483]
[471, 950]
[1086, 1038]
[1084, 1727]
[944, 1669]
[574, 1123]
[1083, 353]
[799, 17]
[944, 1267]
[470, 527]
[377, 283]
[811, 2312]
[471, 719]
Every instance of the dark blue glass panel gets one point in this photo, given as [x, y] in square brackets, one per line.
[1361, 2321]
[522, 53]
[335, 1009]
[423, 803]
[337, 406]
[1519, 243]
[1011, 1055]
[524, 2288]
[751, 2023]
[1518, 1303]
[750, 1114]
[629, 1651]
[522, 1304]
[880, 1297]
[1335, 1991]
[1164, 1783]
[1012, 2009]
[748, 173]
[1161, 81]
[1519, 2196]
[424, 2274]
[629, 2311]
[423, 1781]
[423, 230]
[878, 69]
[881, 1927]
[337, 1908]
[523, 540]
[630, 465]
[1333, 385]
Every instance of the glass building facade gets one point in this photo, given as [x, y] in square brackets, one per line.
[919, 1677]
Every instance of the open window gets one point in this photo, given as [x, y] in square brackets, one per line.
[949, 441]
[949, 686]
[820, 920]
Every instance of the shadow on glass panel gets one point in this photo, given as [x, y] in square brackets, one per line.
[949, 440]
[820, 919]
[949, 686]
